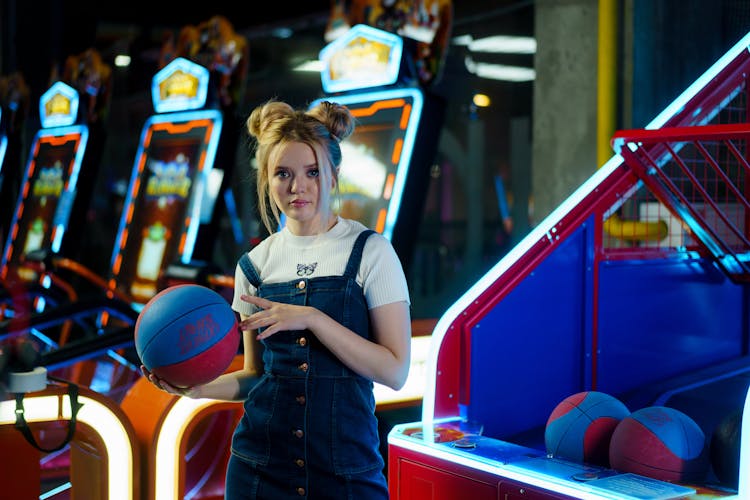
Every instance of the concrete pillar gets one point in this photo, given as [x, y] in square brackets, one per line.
[565, 93]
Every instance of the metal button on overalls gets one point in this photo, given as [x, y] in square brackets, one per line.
[301, 285]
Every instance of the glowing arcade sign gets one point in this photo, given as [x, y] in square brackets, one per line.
[58, 106]
[362, 58]
[179, 86]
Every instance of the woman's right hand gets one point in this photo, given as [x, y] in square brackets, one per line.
[166, 386]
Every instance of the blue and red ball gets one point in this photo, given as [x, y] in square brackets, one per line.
[187, 335]
[662, 443]
[581, 425]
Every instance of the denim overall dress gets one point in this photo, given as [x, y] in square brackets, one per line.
[309, 428]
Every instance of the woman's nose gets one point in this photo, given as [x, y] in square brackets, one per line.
[298, 185]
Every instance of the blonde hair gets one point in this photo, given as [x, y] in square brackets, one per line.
[276, 124]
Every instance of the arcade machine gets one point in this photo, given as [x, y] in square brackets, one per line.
[170, 197]
[170, 184]
[54, 194]
[384, 176]
[573, 308]
[377, 69]
[41, 218]
[49, 184]
[179, 189]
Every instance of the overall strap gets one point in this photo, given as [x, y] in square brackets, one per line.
[249, 270]
[356, 256]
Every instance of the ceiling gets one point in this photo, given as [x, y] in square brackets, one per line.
[38, 35]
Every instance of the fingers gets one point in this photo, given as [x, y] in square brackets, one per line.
[163, 384]
[257, 301]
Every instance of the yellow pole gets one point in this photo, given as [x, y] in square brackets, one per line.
[606, 116]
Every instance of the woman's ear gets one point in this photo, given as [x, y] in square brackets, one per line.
[334, 177]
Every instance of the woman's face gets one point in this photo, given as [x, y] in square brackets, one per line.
[294, 185]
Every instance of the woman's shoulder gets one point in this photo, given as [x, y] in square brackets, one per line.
[260, 251]
[376, 243]
[353, 228]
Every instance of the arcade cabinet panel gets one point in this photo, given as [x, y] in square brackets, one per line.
[163, 207]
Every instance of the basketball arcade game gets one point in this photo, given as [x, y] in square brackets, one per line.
[547, 320]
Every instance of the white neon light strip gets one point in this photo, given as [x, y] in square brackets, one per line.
[530, 478]
[171, 433]
[107, 424]
[498, 44]
[3, 147]
[743, 487]
[698, 84]
[197, 195]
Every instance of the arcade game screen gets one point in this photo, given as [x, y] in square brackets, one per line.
[48, 201]
[375, 159]
[166, 197]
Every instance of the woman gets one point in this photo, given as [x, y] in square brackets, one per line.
[324, 309]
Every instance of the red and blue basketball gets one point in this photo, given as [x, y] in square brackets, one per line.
[662, 443]
[187, 335]
[581, 425]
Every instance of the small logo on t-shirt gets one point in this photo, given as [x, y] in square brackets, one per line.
[306, 269]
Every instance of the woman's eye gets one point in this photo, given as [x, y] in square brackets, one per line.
[282, 173]
[313, 172]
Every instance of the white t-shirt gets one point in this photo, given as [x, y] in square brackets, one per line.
[283, 257]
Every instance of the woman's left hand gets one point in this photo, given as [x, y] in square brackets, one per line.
[276, 316]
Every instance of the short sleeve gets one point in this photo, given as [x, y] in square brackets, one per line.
[383, 278]
[242, 287]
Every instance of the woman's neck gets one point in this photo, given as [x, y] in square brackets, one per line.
[313, 227]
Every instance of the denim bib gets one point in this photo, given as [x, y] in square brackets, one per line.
[309, 415]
